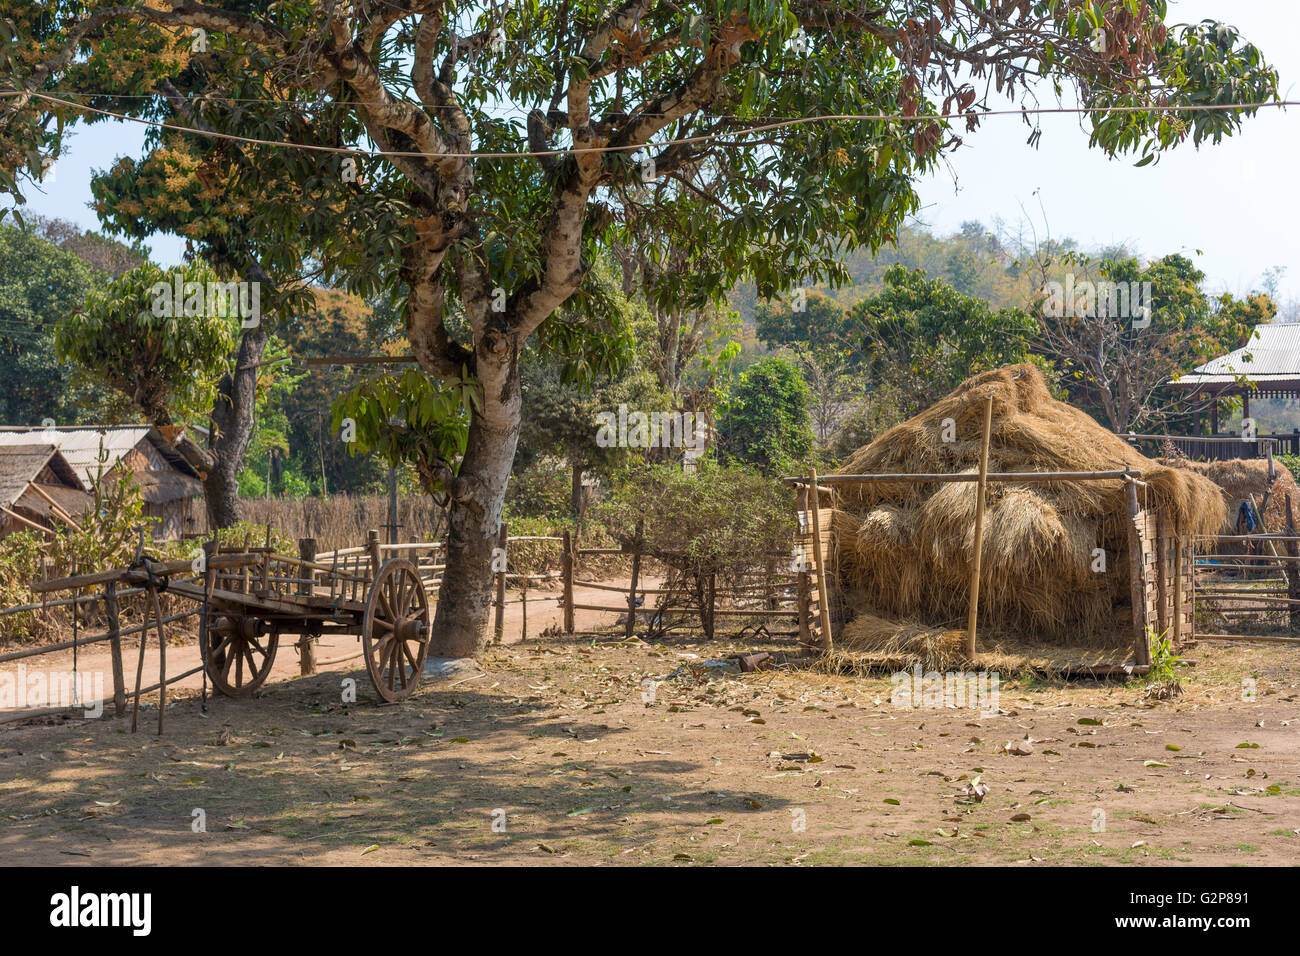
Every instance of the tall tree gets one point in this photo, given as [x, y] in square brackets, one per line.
[39, 283]
[166, 361]
[813, 319]
[608, 98]
[924, 337]
[765, 420]
[1119, 331]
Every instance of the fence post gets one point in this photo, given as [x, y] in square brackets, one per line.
[1292, 571]
[805, 609]
[818, 563]
[566, 566]
[1162, 572]
[636, 573]
[1178, 585]
[503, 539]
[972, 616]
[306, 575]
[115, 647]
[372, 548]
[1137, 581]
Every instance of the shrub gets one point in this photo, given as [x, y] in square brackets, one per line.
[720, 520]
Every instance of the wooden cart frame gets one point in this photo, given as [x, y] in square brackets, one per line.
[251, 597]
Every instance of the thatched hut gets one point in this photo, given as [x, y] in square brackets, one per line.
[168, 484]
[904, 549]
[37, 484]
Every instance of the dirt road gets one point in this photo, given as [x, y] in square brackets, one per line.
[592, 751]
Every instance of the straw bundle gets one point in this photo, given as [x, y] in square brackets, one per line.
[1241, 478]
[904, 548]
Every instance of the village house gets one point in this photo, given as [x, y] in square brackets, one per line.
[168, 484]
[38, 488]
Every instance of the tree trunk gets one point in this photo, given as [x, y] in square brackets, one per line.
[460, 625]
[232, 430]
[575, 496]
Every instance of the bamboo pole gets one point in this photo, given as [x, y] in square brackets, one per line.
[976, 558]
[1292, 576]
[636, 573]
[818, 563]
[566, 564]
[1249, 637]
[115, 647]
[967, 476]
[139, 680]
[162, 655]
[55, 508]
[805, 616]
[499, 629]
[31, 524]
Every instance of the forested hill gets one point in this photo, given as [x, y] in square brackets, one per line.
[980, 261]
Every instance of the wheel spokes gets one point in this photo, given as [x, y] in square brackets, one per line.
[394, 630]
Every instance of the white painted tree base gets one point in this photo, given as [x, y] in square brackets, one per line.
[436, 668]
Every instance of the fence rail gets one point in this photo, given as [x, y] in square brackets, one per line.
[1224, 447]
[1252, 594]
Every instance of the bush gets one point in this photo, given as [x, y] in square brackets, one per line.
[106, 537]
[721, 520]
[1292, 462]
[542, 489]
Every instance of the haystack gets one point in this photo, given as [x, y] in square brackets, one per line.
[904, 548]
[1240, 479]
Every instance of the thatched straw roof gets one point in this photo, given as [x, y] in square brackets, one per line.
[20, 465]
[904, 549]
[141, 450]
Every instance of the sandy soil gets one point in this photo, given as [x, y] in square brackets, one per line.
[556, 752]
[94, 665]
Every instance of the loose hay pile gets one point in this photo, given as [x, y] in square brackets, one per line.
[904, 548]
[1241, 478]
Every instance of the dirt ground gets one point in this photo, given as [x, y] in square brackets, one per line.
[589, 750]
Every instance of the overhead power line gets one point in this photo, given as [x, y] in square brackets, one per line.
[683, 141]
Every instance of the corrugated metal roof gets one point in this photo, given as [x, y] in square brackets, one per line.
[82, 446]
[1271, 355]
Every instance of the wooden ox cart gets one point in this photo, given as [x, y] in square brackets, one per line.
[250, 597]
[253, 596]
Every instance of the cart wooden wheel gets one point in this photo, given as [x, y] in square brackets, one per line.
[240, 655]
[395, 630]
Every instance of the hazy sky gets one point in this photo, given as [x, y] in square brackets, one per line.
[1229, 201]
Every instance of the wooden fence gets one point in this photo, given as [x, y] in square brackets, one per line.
[1247, 587]
[765, 593]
